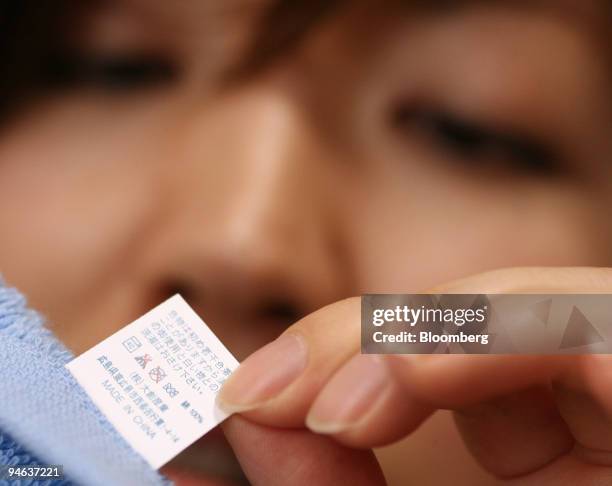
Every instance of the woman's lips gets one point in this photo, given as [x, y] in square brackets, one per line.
[185, 477]
[208, 462]
[215, 436]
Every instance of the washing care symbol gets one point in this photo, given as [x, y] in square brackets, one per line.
[157, 374]
[143, 360]
[131, 344]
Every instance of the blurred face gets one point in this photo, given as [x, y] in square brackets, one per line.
[394, 148]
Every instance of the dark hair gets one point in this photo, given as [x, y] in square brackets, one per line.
[31, 32]
[33, 35]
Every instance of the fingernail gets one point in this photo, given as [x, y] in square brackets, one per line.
[349, 396]
[264, 374]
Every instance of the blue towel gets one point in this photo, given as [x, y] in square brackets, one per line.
[46, 417]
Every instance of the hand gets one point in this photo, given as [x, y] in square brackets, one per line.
[539, 419]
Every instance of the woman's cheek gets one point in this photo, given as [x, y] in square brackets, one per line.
[413, 239]
[71, 205]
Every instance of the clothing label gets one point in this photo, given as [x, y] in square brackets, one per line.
[157, 378]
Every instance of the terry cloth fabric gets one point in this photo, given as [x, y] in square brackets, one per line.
[47, 418]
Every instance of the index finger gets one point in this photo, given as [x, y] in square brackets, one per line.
[278, 384]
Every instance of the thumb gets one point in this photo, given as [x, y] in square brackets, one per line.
[273, 457]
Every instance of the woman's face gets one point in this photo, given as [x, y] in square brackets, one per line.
[395, 148]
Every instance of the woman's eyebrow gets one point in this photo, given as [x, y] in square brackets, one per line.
[591, 16]
[571, 7]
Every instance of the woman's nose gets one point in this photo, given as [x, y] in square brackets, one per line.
[252, 238]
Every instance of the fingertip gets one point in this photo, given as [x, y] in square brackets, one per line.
[364, 406]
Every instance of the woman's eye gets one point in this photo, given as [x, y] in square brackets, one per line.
[474, 143]
[114, 72]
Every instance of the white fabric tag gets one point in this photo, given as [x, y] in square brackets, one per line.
[156, 379]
